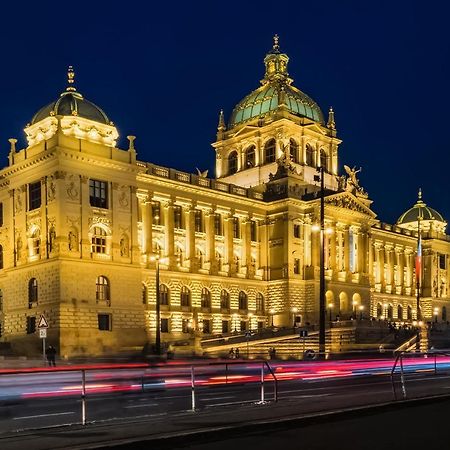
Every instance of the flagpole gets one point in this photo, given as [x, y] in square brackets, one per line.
[419, 270]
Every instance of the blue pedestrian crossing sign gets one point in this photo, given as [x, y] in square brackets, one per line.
[42, 322]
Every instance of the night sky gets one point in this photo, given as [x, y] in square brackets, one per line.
[162, 72]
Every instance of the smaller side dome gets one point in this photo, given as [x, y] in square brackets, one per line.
[420, 212]
[72, 103]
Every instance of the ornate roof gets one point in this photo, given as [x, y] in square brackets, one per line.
[276, 90]
[419, 210]
[72, 103]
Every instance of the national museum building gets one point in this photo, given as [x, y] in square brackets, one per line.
[84, 225]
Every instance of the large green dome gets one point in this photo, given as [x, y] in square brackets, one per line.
[266, 99]
[276, 92]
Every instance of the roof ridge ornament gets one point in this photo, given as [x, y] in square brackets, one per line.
[331, 122]
[70, 79]
[276, 45]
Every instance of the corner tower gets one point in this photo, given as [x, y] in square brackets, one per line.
[276, 122]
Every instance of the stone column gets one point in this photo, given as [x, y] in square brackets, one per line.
[228, 236]
[401, 270]
[246, 240]
[147, 227]
[333, 240]
[346, 249]
[210, 239]
[168, 231]
[190, 234]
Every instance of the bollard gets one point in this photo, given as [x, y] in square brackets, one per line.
[193, 388]
[262, 383]
[83, 397]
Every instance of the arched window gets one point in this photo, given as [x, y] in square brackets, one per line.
[185, 296]
[250, 157]
[225, 299]
[98, 241]
[309, 160]
[323, 160]
[32, 292]
[163, 294]
[205, 298]
[269, 151]
[102, 291]
[1, 256]
[293, 150]
[444, 313]
[144, 293]
[400, 312]
[379, 311]
[409, 312]
[259, 302]
[390, 312]
[232, 162]
[243, 300]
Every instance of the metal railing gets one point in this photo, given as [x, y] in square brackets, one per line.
[399, 362]
[192, 370]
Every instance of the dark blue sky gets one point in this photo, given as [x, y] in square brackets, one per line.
[162, 72]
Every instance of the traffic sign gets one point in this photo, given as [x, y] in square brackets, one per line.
[303, 333]
[42, 322]
[42, 333]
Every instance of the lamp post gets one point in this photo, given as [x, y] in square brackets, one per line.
[272, 312]
[361, 309]
[354, 303]
[294, 311]
[330, 308]
[322, 310]
[158, 308]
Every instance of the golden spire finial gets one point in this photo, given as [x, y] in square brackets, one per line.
[70, 79]
[420, 194]
[276, 45]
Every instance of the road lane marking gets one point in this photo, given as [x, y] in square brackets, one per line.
[43, 415]
[216, 398]
[142, 406]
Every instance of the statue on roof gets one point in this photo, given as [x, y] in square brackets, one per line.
[350, 183]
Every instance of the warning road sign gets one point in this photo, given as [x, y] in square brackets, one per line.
[42, 322]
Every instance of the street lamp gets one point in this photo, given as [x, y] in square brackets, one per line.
[354, 303]
[436, 312]
[272, 312]
[361, 309]
[330, 308]
[158, 307]
[322, 311]
[294, 311]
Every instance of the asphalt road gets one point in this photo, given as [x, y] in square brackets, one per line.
[155, 402]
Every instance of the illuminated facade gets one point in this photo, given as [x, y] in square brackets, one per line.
[83, 220]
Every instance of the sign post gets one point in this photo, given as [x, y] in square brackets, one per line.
[303, 334]
[42, 326]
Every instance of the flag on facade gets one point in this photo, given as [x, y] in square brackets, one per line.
[419, 260]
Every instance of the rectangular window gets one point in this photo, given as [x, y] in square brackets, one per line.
[31, 324]
[296, 230]
[442, 261]
[236, 228]
[296, 266]
[178, 217]
[156, 213]
[244, 324]
[253, 231]
[34, 195]
[206, 326]
[104, 322]
[98, 193]
[198, 218]
[260, 325]
[218, 229]
[164, 325]
[225, 326]
[1, 214]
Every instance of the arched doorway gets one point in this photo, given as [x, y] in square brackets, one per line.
[356, 305]
[331, 307]
[379, 311]
[343, 305]
[400, 312]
